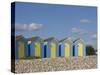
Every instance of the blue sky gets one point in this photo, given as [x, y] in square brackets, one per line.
[59, 21]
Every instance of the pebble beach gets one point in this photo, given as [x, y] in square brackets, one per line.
[55, 64]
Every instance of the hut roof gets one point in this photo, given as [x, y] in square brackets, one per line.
[19, 36]
[34, 38]
[68, 39]
[50, 39]
[78, 40]
[62, 40]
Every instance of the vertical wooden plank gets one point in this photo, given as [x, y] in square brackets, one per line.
[53, 50]
[45, 50]
[62, 50]
[48, 51]
[32, 49]
[84, 50]
[21, 49]
[42, 50]
[16, 50]
[71, 50]
[58, 51]
[67, 50]
[26, 49]
[80, 49]
[76, 50]
[37, 49]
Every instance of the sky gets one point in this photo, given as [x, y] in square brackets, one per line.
[59, 21]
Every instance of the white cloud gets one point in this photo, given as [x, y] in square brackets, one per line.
[85, 21]
[82, 32]
[29, 27]
[94, 36]
[79, 31]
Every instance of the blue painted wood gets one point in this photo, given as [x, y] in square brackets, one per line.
[45, 50]
[32, 49]
[71, 50]
[84, 50]
[76, 47]
[76, 50]
[42, 50]
[70, 46]
[48, 50]
[62, 50]
[26, 48]
[57, 51]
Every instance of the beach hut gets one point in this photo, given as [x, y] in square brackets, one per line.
[21, 50]
[66, 45]
[36, 47]
[51, 47]
[79, 48]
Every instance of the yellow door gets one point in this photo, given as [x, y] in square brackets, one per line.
[53, 50]
[20, 50]
[80, 49]
[37, 49]
[67, 50]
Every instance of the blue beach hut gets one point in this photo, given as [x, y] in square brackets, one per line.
[65, 47]
[21, 50]
[36, 47]
[79, 48]
[51, 47]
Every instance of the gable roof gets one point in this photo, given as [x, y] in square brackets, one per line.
[62, 40]
[67, 39]
[35, 38]
[78, 40]
[19, 36]
[50, 39]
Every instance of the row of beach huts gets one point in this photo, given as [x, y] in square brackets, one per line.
[49, 48]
